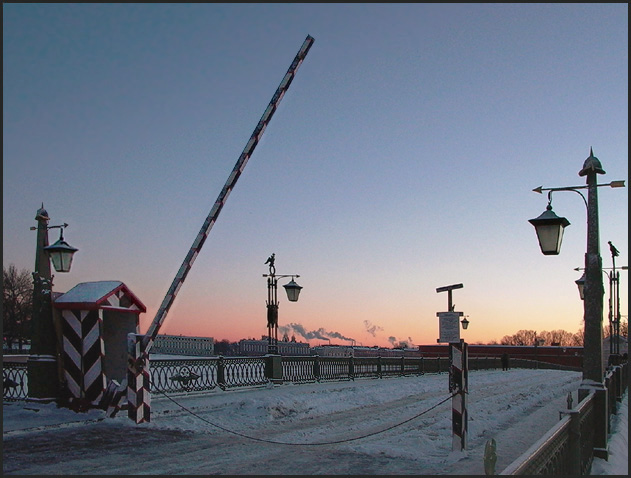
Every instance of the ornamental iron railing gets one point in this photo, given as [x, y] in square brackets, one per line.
[14, 381]
[182, 375]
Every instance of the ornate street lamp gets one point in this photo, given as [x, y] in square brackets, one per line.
[293, 291]
[61, 252]
[549, 228]
[464, 322]
[593, 289]
[580, 283]
[42, 372]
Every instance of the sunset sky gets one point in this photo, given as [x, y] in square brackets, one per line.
[402, 159]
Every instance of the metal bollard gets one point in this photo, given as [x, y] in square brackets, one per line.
[490, 457]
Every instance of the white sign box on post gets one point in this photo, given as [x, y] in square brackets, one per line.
[449, 327]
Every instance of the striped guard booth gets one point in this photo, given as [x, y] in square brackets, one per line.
[95, 318]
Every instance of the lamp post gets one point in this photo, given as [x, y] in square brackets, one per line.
[293, 291]
[550, 233]
[614, 302]
[549, 228]
[43, 380]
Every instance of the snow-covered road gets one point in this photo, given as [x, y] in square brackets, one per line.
[371, 426]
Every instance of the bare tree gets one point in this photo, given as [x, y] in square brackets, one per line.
[560, 337]
[554, 337]
[522, 337]
[17, 304]
[577, 338]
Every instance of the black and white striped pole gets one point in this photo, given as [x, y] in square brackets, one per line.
[138, 391]
[459, 386]
[449, 331]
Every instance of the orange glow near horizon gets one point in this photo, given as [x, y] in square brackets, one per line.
[234, 326]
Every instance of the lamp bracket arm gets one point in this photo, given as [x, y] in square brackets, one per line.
[280, 276]
[574, 189]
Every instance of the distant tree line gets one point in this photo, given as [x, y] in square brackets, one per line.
[226, 348]
[557, 337]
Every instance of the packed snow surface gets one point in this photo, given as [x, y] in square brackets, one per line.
[393, 425]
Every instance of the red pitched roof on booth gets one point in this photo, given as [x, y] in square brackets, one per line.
[98, 295]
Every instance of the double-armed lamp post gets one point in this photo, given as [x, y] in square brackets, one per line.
[549, 228]
[293, 291]
[42, 367]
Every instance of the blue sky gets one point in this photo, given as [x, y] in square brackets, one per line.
[402, 158]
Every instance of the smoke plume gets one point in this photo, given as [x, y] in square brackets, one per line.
[320, 333]
[370, 328]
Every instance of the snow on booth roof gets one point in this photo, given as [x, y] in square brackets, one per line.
[94, 295]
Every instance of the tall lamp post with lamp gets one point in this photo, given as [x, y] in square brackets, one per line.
[42, 372]
[549, 228]
[614, 302]
[293, 291]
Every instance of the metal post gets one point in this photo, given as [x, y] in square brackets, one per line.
[138, 380]
[458, 385]
[272, 307]
[593, 311]
[614, 306]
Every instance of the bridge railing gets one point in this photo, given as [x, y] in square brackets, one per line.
[14, 381]
[568, 448]
[200, 374]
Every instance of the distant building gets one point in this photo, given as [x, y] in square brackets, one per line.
[332, 350]
[184, 345]
[570, 356]
[252, 347]
[360, 351]
[385, 352]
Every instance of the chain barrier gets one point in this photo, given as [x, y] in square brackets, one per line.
[302, 444]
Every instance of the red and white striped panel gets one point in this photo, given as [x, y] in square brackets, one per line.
[138, 381]
[83, 352]
[458, 352]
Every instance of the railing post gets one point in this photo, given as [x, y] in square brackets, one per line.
[379, 366]
[574, 438]
[402, 366]
[351, 367]
[274, 368]
[221, 373]
[601, 422]
[316, 367]
[618, 374]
